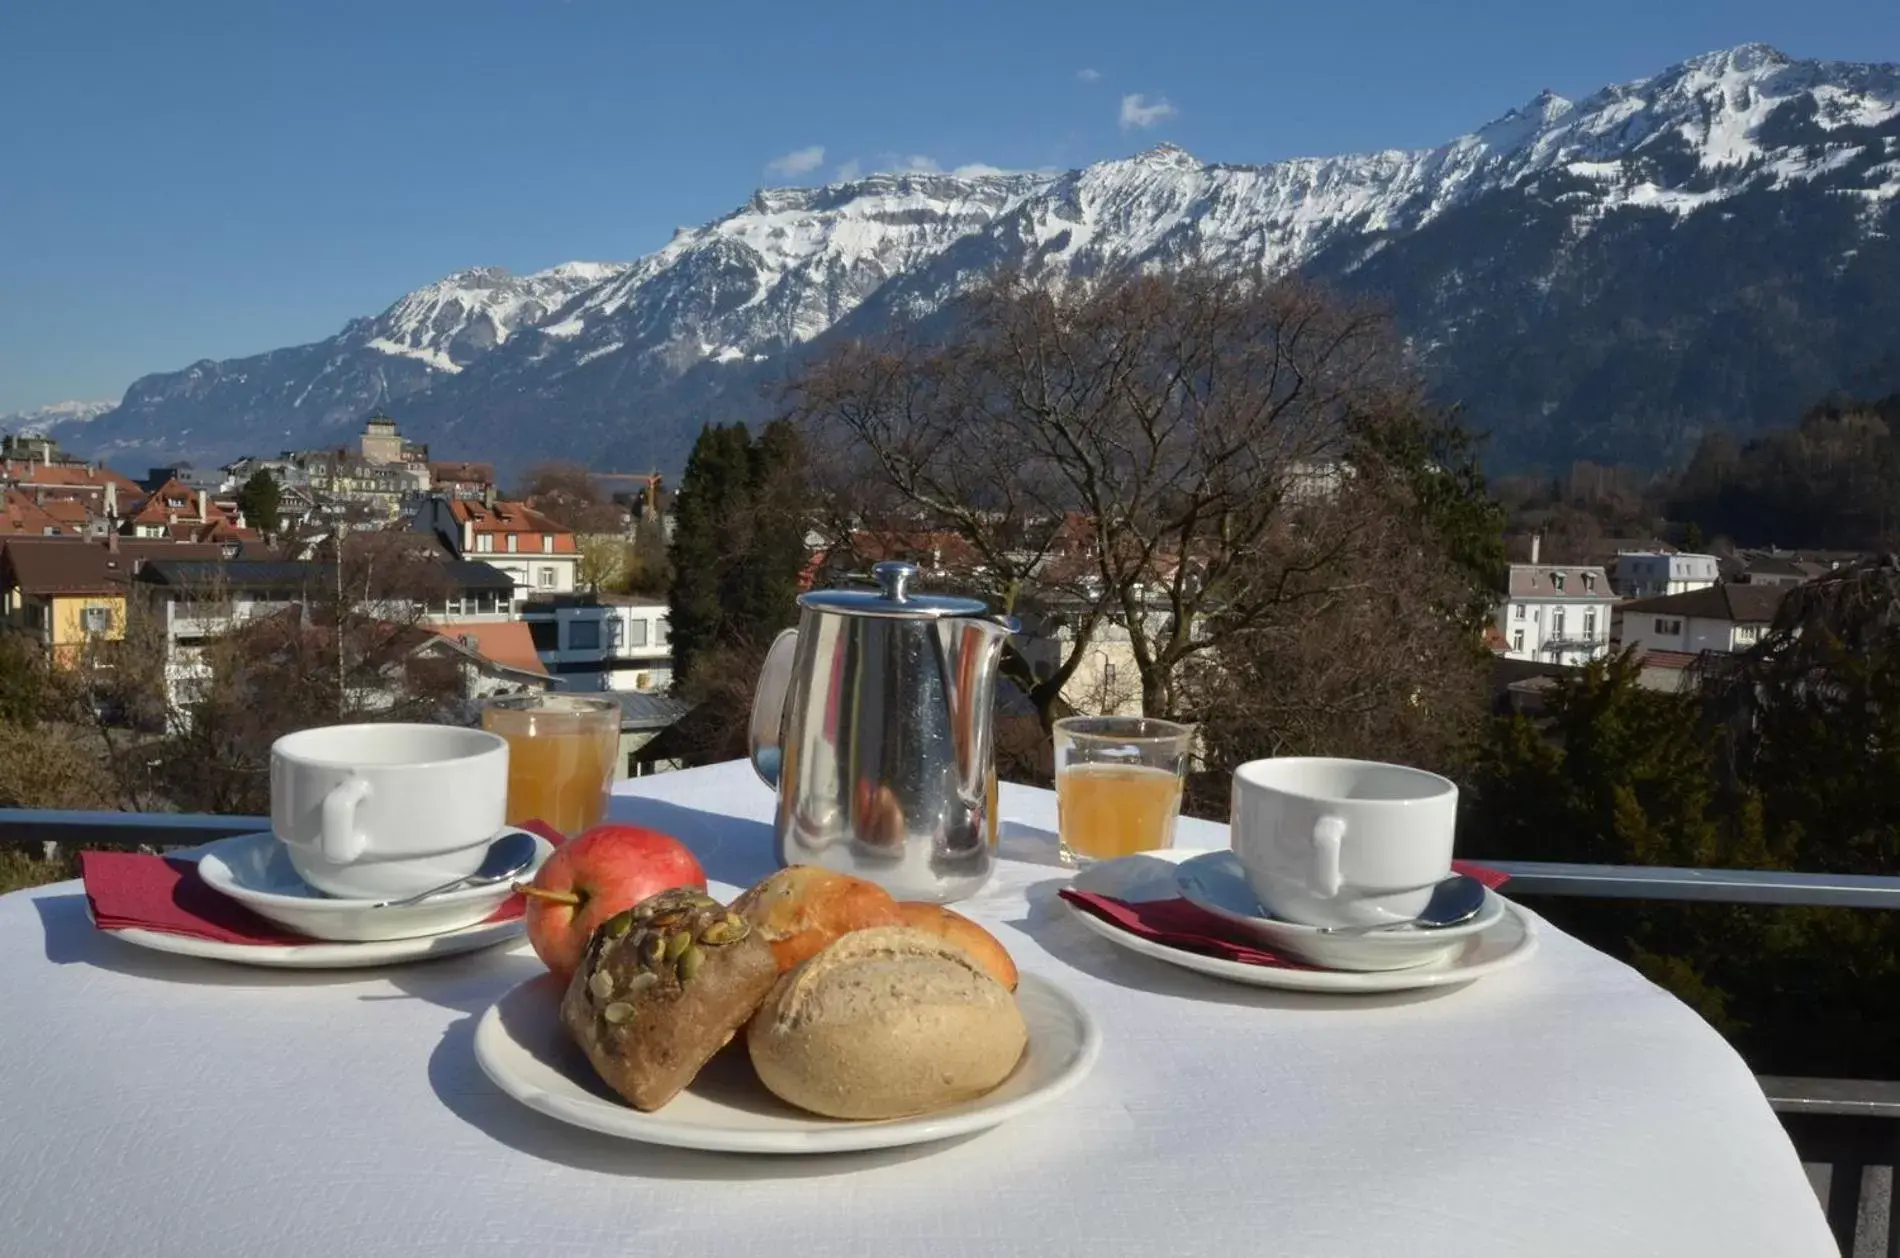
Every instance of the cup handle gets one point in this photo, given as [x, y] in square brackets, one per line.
[1327, 832]
[340, 841]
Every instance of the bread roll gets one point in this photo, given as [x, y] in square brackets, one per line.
[964, 933]
[662, 987]
[802, 908]
[883, 1023]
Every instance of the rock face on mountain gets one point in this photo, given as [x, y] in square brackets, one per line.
[1714, 246]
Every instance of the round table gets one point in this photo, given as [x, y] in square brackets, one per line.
[164, 1105]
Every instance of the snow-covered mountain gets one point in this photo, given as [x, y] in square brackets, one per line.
[62, 420]
[1729, 224]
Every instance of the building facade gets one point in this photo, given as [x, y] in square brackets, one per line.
[540, 556]
[1555, 613]
[1652, 574]
[1670, 634]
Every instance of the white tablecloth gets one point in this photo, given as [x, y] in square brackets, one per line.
[163, 1105]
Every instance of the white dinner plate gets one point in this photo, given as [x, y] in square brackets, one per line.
[327, 956]
[254, 870]
[1509, 940]
[1216, 882]
[523, 1047]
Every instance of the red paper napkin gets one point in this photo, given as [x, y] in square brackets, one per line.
[165, 893]
[1180, 923]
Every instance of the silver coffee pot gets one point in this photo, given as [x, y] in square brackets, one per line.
[873, 721]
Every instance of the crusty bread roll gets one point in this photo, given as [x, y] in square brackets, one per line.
[885, 1022]
[964, 933]
[801, 908]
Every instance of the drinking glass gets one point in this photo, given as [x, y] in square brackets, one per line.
[561, 750]
[1118, 785]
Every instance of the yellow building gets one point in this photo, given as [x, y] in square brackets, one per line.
[64, 593]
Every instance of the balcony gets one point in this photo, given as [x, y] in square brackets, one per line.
[1846, 1131]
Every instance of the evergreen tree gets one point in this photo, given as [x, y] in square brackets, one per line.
[258, 501]
[738, 543]
[1435, 458]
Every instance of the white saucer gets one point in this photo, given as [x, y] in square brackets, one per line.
[1216, 882]
[1510, 939]
[522, 1046]
[254, 870]
[327, 956]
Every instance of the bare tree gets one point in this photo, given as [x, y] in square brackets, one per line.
[1108, 452]
[565, 492]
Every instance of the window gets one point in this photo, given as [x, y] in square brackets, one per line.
[514, 543]
[1747, 635]
[637, 632]
[1517, 611]
[485, 542]
[96, 619]
[583, 635]
[1667, 626]
[1589, 581]
[1557, 581]
[547, 576]
[1590, 623]
[1557, 623]
[659, 632]
[547, 543]
[1517, 639]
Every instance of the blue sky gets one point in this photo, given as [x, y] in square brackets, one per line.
[202, 179]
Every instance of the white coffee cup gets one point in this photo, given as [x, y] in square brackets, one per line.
[1342, 842]
[384, 811]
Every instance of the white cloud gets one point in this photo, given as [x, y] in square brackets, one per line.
[917, 164]
[849, 171]
[798, 161]
[1139, 111]
[1087, 75]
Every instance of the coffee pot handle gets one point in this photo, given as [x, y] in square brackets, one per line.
[340, 840]
[1327, 833]
[765, 733]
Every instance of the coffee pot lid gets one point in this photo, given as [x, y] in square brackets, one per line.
[893, 597]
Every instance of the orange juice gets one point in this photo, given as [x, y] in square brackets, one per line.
[560, 759]
[1109, 810]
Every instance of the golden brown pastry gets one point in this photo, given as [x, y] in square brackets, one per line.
[964, 933]
[883, 1023]
[802, 908]
[662, 987]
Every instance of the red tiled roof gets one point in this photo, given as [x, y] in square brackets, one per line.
[156, 509]
[20, 516]
[477, 473]
[72, 475]
[506, 642]
[69, 512]
[503, 517]
[1669, 659]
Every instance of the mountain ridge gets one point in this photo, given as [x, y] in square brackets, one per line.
[628, 358]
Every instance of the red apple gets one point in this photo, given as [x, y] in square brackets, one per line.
[590, 878]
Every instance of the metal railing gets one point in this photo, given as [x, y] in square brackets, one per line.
[1846, 1131]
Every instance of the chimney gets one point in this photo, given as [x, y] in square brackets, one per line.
[46, 453]
[1536, 545]
[112, 500]
[201, 505]
[488, 496]
[112, 541]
